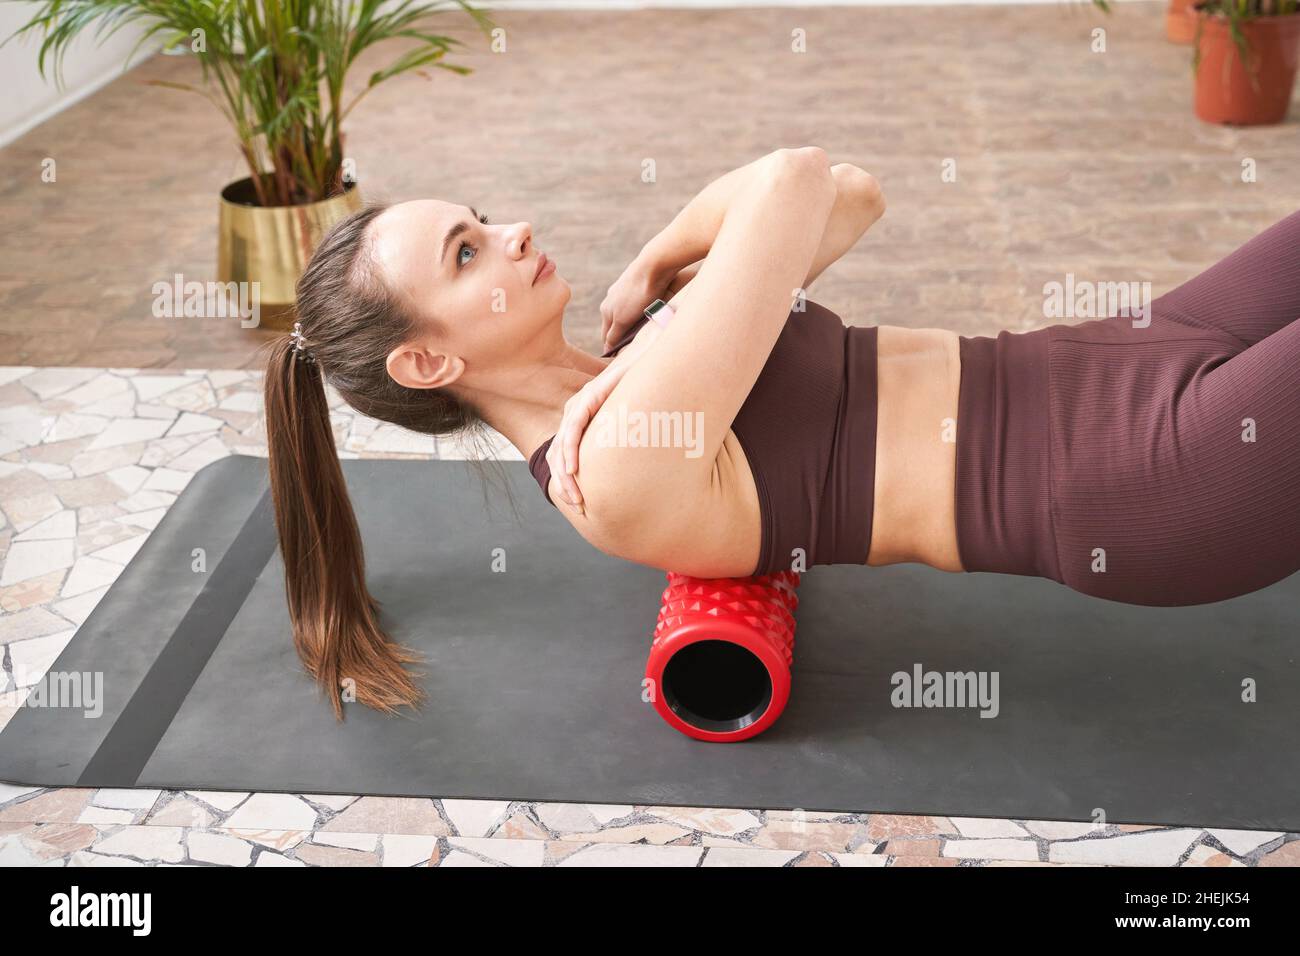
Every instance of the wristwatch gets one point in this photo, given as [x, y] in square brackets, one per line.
[659, 312]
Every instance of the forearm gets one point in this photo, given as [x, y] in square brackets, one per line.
[858, 204]
[679, 281]
[689, 237]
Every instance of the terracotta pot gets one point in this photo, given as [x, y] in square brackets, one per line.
[1225, 92]
[1179, 27]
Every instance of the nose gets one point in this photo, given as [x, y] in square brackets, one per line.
[522, 236]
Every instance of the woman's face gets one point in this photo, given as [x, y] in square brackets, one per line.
[480, 280]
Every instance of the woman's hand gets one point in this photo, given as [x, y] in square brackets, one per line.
[637, 287]
[582, 406]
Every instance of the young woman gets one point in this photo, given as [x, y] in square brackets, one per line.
[1151, 458]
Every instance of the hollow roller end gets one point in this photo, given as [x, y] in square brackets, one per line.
[721, 654]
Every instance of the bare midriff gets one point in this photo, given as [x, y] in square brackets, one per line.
[918, 384]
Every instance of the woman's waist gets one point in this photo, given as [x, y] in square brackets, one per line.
[918, 379]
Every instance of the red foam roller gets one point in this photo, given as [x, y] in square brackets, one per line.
[720, 658]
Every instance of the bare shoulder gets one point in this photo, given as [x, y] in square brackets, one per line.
[602, 518]
[706, 529]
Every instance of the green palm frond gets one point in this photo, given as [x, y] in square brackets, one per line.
[275, 69]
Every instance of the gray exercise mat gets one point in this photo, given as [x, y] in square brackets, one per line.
[534, 675]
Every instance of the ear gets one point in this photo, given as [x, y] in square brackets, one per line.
[417, 367]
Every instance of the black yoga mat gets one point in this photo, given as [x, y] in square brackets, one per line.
[534, 678]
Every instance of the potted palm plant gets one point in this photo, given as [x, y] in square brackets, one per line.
[1246, 58]
[276, 69]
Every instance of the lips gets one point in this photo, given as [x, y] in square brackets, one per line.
[541, 264]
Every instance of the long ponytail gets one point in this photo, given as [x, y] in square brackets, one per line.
[335, 618]
[351, 322]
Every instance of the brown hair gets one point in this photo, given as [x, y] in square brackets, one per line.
[350, 322]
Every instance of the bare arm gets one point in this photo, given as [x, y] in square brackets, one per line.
[690, 234]
[859, 203]
[705, 363]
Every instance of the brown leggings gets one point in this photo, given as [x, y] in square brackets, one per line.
[1151, 463]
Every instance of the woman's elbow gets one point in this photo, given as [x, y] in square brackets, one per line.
[861, 186]
[803, 162]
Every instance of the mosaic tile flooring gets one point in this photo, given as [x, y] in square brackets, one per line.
[90, 459]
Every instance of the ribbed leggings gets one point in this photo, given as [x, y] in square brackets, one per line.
[1150, 462]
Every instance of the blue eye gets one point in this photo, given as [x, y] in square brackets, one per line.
[465, 245]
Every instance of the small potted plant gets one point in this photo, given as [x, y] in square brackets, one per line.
[276, 70]
[1246, 58]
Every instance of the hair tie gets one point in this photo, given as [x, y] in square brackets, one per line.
[300, 343]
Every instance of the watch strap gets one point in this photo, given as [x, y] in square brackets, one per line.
[659, 312]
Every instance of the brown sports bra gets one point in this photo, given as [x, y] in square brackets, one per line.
[808, 430]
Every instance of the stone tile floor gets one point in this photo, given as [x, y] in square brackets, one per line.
[90, 460]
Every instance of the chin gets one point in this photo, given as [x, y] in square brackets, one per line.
[566, 292]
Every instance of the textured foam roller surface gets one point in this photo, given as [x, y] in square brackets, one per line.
[719, 694]
[534, 678]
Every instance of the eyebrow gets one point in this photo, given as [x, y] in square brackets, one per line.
[455, 231]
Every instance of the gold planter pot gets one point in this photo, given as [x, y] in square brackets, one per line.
[270, 245]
